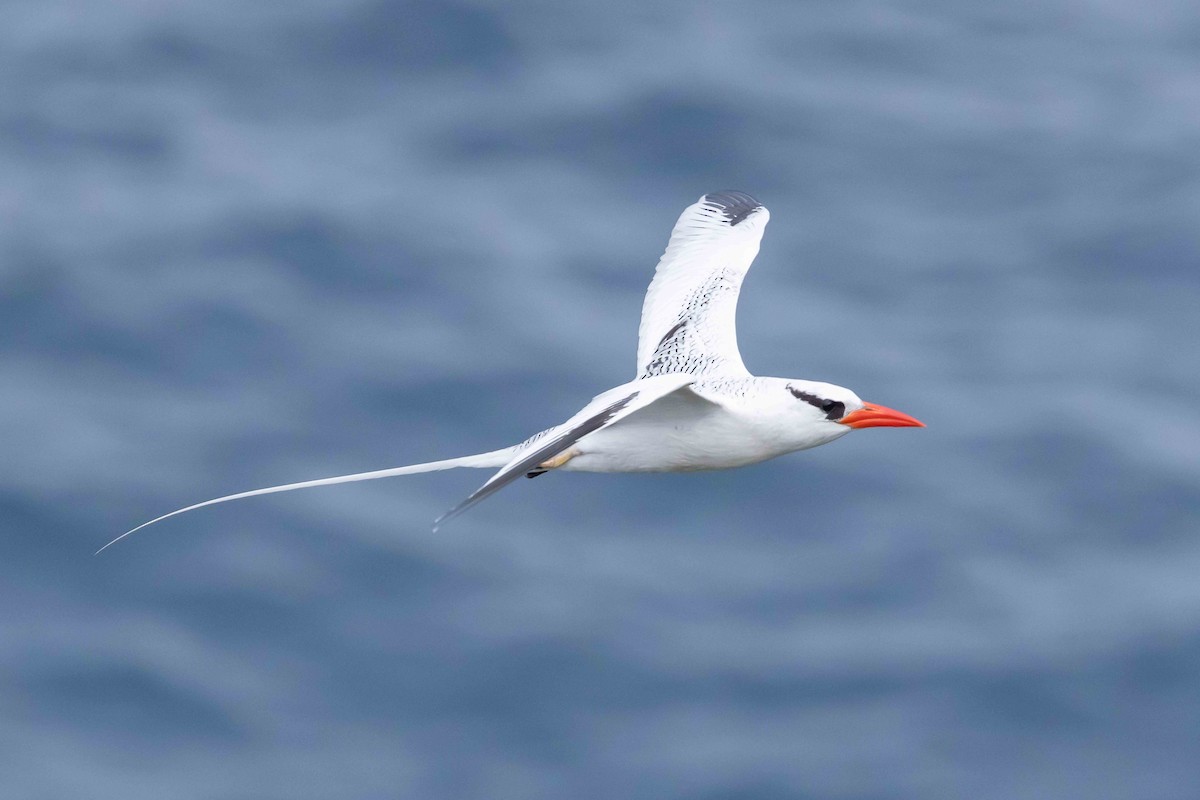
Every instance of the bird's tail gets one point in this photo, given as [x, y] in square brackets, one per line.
[496, 458]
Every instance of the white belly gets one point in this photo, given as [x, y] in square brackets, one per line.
[679, 433]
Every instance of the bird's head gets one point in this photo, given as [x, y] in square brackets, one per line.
[830, 411]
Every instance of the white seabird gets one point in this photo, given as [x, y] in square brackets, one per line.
[693, 404]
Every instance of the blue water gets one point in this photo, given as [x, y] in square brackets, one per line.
[249, 243]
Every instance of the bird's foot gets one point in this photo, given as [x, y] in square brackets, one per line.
[552, 463]
[558, 460]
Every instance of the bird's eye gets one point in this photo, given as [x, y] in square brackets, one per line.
[833, 409]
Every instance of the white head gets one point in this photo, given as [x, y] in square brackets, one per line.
[827, 411]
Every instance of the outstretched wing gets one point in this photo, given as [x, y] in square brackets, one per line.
[688, 318]
[604, 410]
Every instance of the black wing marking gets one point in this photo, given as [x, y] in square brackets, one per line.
[530, 462]
[734, 206]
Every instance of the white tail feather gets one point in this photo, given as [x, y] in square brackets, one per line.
[496, 458]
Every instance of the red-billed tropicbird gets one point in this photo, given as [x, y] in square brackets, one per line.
[693, 405]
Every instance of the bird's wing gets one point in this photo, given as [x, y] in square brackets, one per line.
[604, 410]
[688, 318]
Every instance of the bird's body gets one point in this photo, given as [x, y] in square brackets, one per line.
[714, 424]
[693, 405]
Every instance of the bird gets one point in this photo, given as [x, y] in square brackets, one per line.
[693, 404]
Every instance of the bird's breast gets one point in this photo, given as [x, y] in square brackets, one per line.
[679, 434]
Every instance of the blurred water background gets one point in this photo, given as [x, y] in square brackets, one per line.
[252, 243]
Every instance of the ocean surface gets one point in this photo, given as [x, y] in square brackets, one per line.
[252, 243]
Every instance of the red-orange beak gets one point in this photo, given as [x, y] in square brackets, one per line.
[873, 416]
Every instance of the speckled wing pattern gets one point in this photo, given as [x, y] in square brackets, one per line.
[688, 318]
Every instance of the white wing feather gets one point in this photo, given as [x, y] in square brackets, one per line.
[688, 318]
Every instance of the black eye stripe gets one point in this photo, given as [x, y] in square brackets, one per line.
[833, 409]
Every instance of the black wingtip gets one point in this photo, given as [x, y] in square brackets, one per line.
[734, 206]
